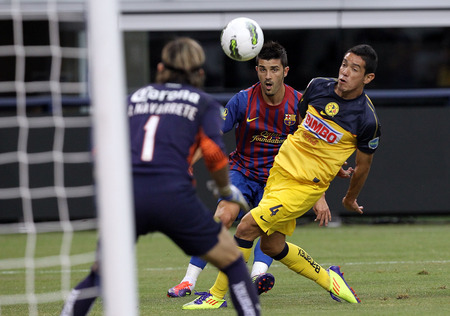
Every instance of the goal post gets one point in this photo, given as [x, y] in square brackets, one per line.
[62, 90]
[112, 158]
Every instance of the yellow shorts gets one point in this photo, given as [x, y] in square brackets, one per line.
[284, 200]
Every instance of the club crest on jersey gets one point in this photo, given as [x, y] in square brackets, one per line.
[331, 109]
[321, 129]
[224, 113]
[373, 144]
[289, 119]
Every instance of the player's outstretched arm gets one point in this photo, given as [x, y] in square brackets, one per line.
[362, 168]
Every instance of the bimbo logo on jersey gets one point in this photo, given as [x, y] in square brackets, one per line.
[321, 129]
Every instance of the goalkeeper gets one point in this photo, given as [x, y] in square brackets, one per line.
[169, 121]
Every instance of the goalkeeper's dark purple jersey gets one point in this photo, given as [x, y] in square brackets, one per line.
[168, 122]
[260, 129]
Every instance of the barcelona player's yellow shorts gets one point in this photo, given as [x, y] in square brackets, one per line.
[284, 200]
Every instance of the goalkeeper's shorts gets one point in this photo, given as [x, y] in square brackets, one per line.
[170, 205]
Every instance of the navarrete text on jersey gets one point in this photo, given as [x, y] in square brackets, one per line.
[143, 95]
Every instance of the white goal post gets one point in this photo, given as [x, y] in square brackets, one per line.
[113, 162]
[53, 89]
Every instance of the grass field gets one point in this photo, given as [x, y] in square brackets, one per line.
[396, 269]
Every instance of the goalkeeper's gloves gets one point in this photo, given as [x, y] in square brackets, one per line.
[229, 193]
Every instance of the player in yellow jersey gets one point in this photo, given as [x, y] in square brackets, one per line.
[337, 119]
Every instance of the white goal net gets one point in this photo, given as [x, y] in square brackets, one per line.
[50, 192]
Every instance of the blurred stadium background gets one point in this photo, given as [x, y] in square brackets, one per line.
[410, 175]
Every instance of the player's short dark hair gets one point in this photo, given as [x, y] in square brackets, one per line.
[273, 50]
[182, 58]
[368, 54]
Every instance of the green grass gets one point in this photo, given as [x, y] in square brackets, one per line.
[401, 269]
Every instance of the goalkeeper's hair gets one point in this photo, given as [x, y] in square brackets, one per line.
[273, 50]
[183, 59]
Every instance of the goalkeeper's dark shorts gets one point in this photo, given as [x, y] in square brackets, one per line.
[170, 205]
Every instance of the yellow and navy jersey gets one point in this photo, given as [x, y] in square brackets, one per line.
[331, 130]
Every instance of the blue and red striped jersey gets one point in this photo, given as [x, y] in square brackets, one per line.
[260, 129]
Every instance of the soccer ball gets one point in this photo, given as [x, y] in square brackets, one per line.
[242, 39]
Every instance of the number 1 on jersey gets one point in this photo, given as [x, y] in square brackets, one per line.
[148, 144]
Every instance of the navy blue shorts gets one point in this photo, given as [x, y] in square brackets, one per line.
[251, 189]
[170, 205]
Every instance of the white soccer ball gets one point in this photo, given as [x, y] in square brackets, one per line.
[242, 39]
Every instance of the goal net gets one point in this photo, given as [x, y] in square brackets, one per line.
[61, 105]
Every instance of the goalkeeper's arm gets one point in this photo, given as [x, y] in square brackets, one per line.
[222, 188]
[217, 163]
